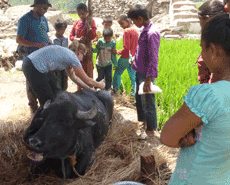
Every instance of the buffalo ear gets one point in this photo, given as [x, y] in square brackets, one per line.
[47, 103]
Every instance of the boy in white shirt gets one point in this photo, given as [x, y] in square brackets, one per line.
[61, 77]
[59, 38]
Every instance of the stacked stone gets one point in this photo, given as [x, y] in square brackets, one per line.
[4, 4]
[113, 8]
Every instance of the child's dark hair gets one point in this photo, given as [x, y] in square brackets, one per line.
[60, 23]
[138, 11]
[211, 8]
[124, 17]
[217, 31]
[82, 6]
[107, 32]
[108, 19]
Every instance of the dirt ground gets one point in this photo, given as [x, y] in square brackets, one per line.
[15, 118]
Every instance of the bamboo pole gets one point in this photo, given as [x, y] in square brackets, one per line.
[89, 25]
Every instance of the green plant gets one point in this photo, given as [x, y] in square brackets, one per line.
[177, 72]
[75, 16]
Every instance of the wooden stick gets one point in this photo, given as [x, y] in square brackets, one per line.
[148, 168]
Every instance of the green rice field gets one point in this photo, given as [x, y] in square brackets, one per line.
[177, 72]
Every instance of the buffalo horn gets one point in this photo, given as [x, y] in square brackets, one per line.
[90, 114]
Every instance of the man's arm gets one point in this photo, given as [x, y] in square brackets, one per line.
[20, 40]
[153, 51]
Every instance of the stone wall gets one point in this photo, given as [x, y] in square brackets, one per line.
[102, 8]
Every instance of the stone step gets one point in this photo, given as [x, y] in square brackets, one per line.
[183, 3]
[185, 9]
[192, 20]
[174, 1]
[185, 15]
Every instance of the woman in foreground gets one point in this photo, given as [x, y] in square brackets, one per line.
[205, 158]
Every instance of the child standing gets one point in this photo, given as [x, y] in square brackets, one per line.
[107, 23]
[146, 64]
[59, 39]
[79, 32]
[105, 57]
[130, 41]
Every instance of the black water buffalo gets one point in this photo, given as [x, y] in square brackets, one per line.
[74, 124]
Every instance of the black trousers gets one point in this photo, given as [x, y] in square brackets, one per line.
[43, 84]
[105, 72]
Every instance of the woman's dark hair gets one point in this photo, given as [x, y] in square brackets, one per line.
[107, 32]
[60, 23]
[211, 8]
[138, 10]
[82, 6]
[217, 31]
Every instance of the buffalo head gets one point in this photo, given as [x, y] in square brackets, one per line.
[57, 127]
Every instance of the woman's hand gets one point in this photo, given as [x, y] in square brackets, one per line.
[114, 68]
[101, 85]
[188, 140]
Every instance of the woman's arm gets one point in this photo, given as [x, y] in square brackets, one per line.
[87, 80]
[75, 79]
[178, 126]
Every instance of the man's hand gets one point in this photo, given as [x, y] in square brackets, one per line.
[40, 44]
[131, 61]
[113, 51]
[188, 140]
[114, 68]
[147, 85]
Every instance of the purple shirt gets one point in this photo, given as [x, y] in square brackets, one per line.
[146, 57]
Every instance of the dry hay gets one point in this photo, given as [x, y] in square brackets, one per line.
[117, 158]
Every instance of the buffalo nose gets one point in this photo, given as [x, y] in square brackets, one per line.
[34, 142]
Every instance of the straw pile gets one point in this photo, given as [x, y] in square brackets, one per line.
[117, 158]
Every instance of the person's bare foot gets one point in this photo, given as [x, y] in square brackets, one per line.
[144, 125]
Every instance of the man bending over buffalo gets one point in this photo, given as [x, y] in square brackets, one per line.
[55, 58]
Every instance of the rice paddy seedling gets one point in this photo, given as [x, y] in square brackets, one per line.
[177, 72]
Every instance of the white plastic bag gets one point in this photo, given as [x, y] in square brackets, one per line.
[154, 89]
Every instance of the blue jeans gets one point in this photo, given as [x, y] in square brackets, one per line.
[123, 64]
[105, 72]
[146, 109]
